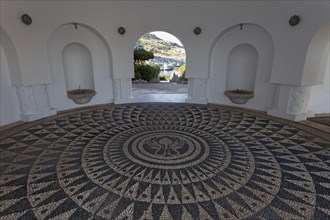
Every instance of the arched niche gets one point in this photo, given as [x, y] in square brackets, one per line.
[78, 67]
[12, 59]
[319, 99]
[255, 36]
[316, 58]
[9, 104]
[101, 57]
[242, 67]
[10, 76]
[316, 72]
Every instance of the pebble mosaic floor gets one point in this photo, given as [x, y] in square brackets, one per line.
[164, 161]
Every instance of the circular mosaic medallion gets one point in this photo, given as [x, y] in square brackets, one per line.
[162, 149]
[164, 162]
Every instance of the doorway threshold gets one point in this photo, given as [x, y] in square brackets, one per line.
[176, 98]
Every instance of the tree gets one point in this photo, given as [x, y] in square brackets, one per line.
[141, 55]
[147, 72]
[142, 70]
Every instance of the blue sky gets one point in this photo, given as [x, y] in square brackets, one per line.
[166, 36]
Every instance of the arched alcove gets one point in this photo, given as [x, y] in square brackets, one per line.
[78, 67]
[316, 58]
[9, 104]
[319, 99]
[10, 76]
[82, 40]
[316, 71]
[236, 52]
[12, 59]
[242, 67]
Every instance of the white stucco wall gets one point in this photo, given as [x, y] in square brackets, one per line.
[319, 100]
[282, 53]
[9, 106]
[242, 67]
[316, 58]
[176, 17]
[78, 67]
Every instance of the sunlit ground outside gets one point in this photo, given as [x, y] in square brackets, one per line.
[159, 69]
[160, 92]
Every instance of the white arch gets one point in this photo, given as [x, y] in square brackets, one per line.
[12, 59]
[101, 59]
[259, 38]
[316, 72]
[10, 76]
[316, 58]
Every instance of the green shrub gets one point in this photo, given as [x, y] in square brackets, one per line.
[148, 72]
[137, 76]
[142, 55]
[162, 78]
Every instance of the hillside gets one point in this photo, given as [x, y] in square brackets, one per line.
[162, 48]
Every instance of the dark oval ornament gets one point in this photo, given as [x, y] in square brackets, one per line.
[294, 20]
[197, 30]
[26, 19]
[121, 30]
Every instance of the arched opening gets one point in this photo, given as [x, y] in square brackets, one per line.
[242, 68]
[78, 67]
[159, 69]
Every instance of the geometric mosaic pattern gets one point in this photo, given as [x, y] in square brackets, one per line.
[165, 161]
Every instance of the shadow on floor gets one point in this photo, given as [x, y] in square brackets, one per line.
[321, 120]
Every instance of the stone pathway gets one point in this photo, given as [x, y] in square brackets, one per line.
[160, 92]
[159, 88]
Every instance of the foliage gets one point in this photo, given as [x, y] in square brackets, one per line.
[147, 72]
[141, 55]
[137, 75]
[164, 77]
[144, 71]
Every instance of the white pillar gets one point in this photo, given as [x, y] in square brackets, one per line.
[123, 91]
[34, 102]
[197, 91]
[291, 103]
